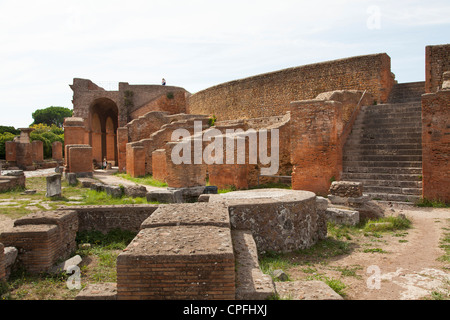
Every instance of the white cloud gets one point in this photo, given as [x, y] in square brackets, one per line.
[194, 44]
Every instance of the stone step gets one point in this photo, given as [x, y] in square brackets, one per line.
[392, 190]
[382, 158]
[388, 183]
[387, 147]
[391, 120]
[394, 197]
[358, 176]
[385, 164]
[382, 151]
[388, 135]
[382, 170]
[411, 91]
[388, 109]
[393, 107]
[387, 141]
[380, 130]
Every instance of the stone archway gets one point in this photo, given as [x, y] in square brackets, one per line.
[103, 124]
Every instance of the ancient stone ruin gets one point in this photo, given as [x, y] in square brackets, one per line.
[342, 129]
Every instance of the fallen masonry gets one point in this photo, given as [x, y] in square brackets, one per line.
[203, 250]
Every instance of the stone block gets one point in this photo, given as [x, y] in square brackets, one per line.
[2, 263]
[346, 189]
[135, 191]
[251, 282]
[178, 263]
[38, 245]
[114, 191]
[210, 190]
[280, 220]
[57, 153]
[98, 186]
[165, 196]
[71, 178]
[65, 220]
[342, 216]
[98, 291]
[53, 185]
[213, 214]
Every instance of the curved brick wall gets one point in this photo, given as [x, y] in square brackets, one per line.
[270, 93]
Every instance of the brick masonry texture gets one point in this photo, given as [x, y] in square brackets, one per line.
[436, 146]
[437, 61]
[2, 263]
[177, 262]
[270, 94]
[11, 182]
[280, 220]
[107, 218]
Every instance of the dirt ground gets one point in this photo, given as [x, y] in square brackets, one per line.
[406, 269]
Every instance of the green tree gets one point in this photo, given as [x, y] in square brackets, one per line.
[7, 136]
[51, 115]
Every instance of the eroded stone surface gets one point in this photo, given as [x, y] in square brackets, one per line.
[280, 219]
[189, 214]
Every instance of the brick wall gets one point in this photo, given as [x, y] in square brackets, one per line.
[318, 131]
[436, 146]
[107, 218]
[57, 153]
[183, 252]
[172, 102]
[38, 151]
[270, 94]
[437, 61]
[11, 182]
[79, 159]
[159, 165]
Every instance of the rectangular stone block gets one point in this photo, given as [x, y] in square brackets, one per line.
[38, 150]
[159, 166]
[2, 263]
[178, 263]
[79, 159]
[57, 151]
[346, 189]
[38, 245]
[53, 185]
[213, 214]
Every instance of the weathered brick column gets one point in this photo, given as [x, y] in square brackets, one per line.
[38, 151]
[135, 159]
[182, 252]
[316, 152]
[57, 153]
[436, 146]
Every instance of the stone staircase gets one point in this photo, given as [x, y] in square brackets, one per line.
[384, 149]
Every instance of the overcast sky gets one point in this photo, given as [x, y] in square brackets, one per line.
[196, 44]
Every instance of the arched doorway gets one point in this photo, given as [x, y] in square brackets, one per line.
[103, 119]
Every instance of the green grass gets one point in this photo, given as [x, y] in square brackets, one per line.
[337, 285]
[147, 180]
[432, 203]
[445, 244]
